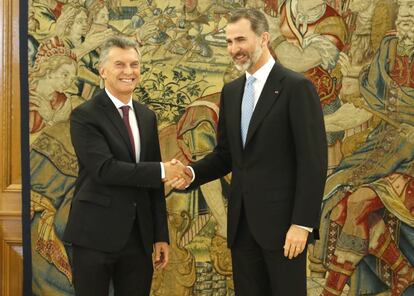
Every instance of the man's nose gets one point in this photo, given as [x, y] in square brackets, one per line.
[128, 69]
[233, 48]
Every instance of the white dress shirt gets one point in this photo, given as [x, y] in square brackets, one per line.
[261, 77]
[133, 122]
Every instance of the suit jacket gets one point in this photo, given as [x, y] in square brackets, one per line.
[112, 190]
[279, 175]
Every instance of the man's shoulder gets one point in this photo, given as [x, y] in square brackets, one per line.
[92, 105]
[143, 108]
[289, 75]
[234, 83]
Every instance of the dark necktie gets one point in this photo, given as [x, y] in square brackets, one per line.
[125, 117]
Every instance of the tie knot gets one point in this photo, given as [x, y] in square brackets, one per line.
[125, 110]
[250, 80]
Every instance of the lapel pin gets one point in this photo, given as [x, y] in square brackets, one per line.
[276, 92]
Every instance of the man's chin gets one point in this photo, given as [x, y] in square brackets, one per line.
[126, 91]
[243, 67]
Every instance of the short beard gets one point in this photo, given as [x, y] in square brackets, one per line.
[405, 36]
[251, 61]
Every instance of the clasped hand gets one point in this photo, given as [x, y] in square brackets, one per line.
[177, 175]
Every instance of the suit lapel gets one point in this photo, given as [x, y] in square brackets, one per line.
[140, 115]
[268, 97]
[234, 110]
[115, 118]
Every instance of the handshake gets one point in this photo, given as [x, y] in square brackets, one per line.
[177, 175]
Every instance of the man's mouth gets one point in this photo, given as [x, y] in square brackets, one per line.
[240, 58]
[127, 80]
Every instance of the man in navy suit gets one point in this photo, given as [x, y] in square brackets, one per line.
[118, 213]
[271, 136]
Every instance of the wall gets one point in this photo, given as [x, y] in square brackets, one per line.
[10, 179]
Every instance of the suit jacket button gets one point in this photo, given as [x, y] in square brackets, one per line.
[135, 204]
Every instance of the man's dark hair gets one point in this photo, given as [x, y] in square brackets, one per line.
[258, 21]
[120, 42]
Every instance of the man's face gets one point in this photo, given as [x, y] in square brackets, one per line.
[63, 77]
[121, 71]
[102, 17]
[243, 45]
[405, 22]
[80, 24]
[405, 8]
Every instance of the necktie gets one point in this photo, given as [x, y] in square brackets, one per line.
[125, 118]
[247, 107]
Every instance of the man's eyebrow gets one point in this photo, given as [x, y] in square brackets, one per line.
[236, 38]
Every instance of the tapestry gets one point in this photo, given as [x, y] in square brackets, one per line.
[358, 54]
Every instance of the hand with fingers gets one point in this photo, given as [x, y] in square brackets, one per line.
[161, 255]
[345, 63]
[183, 181]
[177, 175]
[41, 105]
[295, 242]
[63, 113]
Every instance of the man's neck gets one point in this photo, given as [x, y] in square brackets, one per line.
[122, 98]
[260, 63]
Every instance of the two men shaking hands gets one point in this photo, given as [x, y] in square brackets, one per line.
[177, 175]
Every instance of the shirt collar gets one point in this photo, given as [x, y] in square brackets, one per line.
[263, 71]
[118, 104]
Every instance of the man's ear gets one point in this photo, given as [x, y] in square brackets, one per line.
[265, 39]
[102, 73]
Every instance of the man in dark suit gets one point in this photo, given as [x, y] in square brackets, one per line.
[118, 212]
[271, 137]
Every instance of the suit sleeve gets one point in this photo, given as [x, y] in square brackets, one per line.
[94, 154]
[307, 123]
[158, 205]
[217, 163]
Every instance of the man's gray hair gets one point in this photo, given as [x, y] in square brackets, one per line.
[258, 21]
[120, 42]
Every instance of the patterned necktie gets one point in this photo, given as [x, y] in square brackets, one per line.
[247, 107]
[125, 117]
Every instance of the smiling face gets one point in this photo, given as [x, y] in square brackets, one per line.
[121, 72]
[245, 47]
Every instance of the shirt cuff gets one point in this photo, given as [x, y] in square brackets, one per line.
[162, 171]
[192, 171]
[304, 227]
